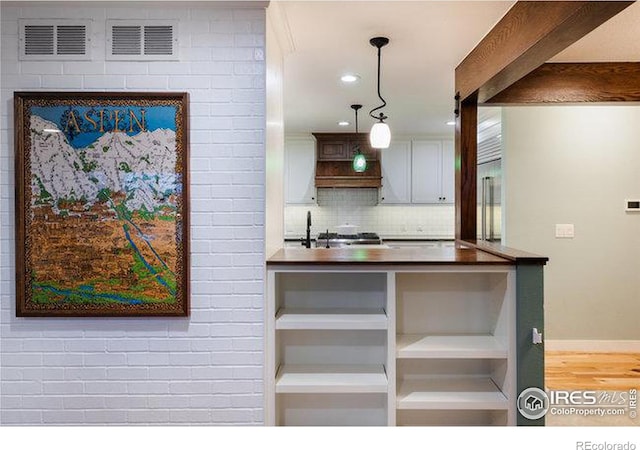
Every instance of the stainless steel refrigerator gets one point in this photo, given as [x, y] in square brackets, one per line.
[490, 201]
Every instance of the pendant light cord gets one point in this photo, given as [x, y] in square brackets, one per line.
[355, 109]
[384, 103]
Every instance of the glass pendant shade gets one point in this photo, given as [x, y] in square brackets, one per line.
[359, 162]
[380, 135]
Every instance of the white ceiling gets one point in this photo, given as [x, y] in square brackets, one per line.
[616, 40]
[428, 39]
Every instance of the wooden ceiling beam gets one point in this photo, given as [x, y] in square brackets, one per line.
[574, 83]
[528, 35]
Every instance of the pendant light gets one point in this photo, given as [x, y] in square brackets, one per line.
[359, 161]
[380, 135]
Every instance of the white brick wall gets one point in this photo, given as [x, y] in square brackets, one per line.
[206, 369]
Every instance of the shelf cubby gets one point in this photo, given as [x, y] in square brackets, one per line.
[319, 290]
[466, 303]
[459, 393]
[331, 410]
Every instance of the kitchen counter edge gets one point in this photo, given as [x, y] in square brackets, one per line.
[514, 255]
[389, 256]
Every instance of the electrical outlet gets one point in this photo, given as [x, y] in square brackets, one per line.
[419, 228]
[565, 230]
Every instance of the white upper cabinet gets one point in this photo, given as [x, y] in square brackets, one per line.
[432, 172]
[396, 173]
[448, 172]
[413, 171]
[300, 162]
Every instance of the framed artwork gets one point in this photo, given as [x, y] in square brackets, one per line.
[102, 204]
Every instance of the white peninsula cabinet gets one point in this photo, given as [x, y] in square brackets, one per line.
[393, 342]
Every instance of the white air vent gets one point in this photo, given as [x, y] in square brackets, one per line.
[126, 40]
[142, 40]
[55, 39]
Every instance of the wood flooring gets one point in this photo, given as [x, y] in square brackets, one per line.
[593, 371]
[574, 371]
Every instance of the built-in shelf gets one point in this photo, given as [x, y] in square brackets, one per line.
[331, 319]
[465, 346]
[338, 379]
[472, 393]
[396, 345]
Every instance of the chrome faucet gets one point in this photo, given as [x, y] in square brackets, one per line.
[307, 242]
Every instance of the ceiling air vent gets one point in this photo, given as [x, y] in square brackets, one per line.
[54, 39]
[142, 40]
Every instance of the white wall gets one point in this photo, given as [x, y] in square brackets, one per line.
[205, 369]
[577, 165]
[275, 142]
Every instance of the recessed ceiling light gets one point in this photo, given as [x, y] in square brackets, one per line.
[349, 78]
[344, 123]
[451, 122]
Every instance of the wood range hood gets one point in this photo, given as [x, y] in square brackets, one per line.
[334, 156]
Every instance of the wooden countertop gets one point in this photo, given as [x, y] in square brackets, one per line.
[381, 256]
[512, 254]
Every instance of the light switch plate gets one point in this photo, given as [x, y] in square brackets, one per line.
[564, 230]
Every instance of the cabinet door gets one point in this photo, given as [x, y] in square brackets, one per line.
[426, 172]
[396, 173]
[448, 172]
[299, 171]
[333, 150]
[363, 143]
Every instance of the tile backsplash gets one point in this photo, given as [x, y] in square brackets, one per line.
[360, 207]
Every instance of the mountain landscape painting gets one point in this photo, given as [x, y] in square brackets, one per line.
[101, 204]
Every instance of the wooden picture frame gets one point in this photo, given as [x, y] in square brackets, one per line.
[102, 204]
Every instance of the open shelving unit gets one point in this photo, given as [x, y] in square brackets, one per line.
[455, 347]
[410, 346]
[330, 353]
